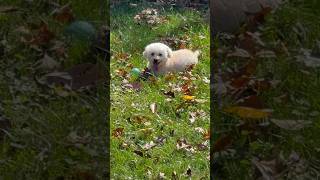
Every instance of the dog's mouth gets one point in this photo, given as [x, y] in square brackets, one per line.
[156, 62]
[155, 65]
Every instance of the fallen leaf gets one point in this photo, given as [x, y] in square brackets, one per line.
[206, 80]
[162, 176]
[48, 63]
[308, 59]
[190, 67]
[186, 89]
[124, 145]
[134, 85]
[149, 174]
[153, 108]
[174, 176]
[188, 98]
[149, 145]
[148, 16]
[199, 130]
[122, 56]
[169, 93]
[160, 140]
[192, 117]
[121, 72]
[118, 132]
[291, 124]
[183, 145]
[206, 135]
[202, 146]
[43, 36]
[271, 169]
[63, 14]
[139, 119]
[56, 78]
[247, 112]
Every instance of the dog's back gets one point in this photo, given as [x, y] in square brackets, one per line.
[181, 59]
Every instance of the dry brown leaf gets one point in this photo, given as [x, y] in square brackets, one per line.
[64, 14]
[183, 145]
[43, 36]
[206, 135]
[121, 72]
[118, 132]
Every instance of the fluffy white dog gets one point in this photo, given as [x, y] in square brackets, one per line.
[162, 59]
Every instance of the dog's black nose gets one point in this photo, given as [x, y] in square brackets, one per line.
[155, 61]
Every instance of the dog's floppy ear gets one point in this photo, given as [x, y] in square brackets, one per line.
[169, 52]
[145, 54]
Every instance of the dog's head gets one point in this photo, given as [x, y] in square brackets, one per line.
[157, 53]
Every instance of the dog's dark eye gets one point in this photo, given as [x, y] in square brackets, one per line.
[160, 54]
[152, 54]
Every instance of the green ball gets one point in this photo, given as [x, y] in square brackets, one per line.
[135, 72]
[80, 30]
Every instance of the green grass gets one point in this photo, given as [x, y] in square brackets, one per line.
[37, 145]
[298, 86]
[131, 38]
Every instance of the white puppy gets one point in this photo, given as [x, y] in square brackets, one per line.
[162, 59]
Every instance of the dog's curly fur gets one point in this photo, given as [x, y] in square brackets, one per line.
[162, 59]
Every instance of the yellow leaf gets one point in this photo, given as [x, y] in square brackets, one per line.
[246, 112]
[188, 98]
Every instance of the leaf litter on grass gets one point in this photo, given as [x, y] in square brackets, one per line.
[38, 40]
[244, 90]
[157, 133]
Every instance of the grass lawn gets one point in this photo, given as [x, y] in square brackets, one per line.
[133, 125]
[262, 147]
[55, 133]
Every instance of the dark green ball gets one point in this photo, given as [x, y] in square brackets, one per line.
[80, 30]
